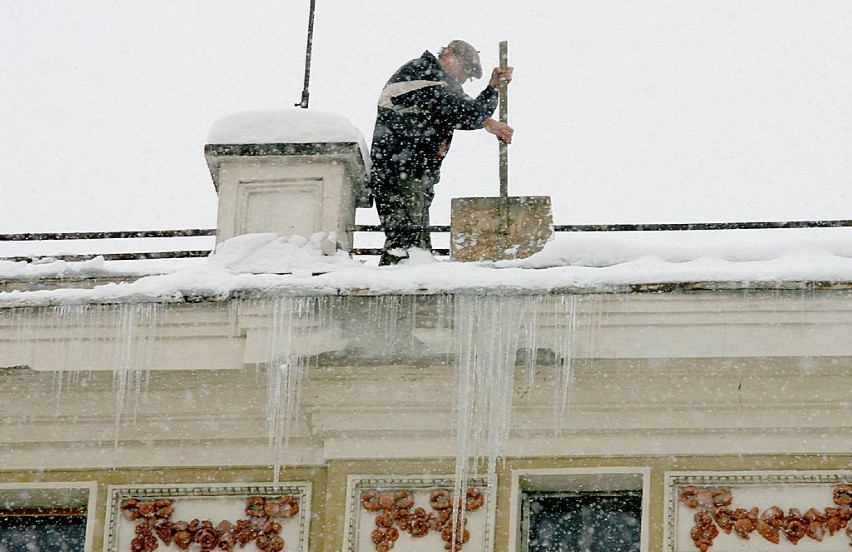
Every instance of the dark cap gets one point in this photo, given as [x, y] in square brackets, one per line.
[469, 57]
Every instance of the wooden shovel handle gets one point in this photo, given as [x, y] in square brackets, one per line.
[504, 118]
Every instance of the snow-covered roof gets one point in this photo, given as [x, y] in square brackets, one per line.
[267, 263]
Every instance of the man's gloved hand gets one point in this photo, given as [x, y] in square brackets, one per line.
[502, 131]
[500, 76]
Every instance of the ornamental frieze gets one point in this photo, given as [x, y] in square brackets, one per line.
[407, 513]
[261, 518]
[714, 514]
[396, 511]
[262, 526]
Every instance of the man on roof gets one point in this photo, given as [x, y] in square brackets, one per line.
[418, 110]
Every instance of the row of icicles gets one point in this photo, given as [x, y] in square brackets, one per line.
[488, 332]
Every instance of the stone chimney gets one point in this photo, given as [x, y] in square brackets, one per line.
[291, 172]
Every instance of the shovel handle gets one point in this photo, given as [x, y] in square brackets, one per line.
[504, 118]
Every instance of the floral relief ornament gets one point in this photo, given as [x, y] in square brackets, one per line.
[714, 514]
[394, 510]
[262, 526]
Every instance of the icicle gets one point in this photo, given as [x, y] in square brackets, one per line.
[286, 368]
[136, 331]
[531, 346]
[576, 323]
[565, 353]
[393, 317]
[53, 316]
[233, 311]
[69, 327]
[487, 333]
[278, 372]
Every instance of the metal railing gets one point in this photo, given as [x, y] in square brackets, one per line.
[206, 232]
[131, 234]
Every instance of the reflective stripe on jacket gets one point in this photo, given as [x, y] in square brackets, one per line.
[418, 110]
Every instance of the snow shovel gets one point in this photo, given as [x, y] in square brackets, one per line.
[499, 228]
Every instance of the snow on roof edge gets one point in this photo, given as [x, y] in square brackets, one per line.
[265, 264]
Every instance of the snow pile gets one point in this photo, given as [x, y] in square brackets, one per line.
[601, 249]
[269, 253]
[285, 126]
[49, 268]
[267, 263]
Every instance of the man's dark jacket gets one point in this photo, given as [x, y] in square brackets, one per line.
[419, 108]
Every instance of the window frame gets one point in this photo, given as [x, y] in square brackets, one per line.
[576, 481]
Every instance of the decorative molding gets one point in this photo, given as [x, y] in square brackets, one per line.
[276, 518]
[379, 510]
[153, 524]
[257, 195]
[711, 497]
[712, 505]
[395, 511]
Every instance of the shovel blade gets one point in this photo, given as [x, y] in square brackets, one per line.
[499, 228]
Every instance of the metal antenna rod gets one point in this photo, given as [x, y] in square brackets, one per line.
[304, 103]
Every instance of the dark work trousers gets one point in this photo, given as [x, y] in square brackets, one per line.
[404, 213]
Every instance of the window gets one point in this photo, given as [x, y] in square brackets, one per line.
[45, 530]
[45, 517]
[582, 522]
[580, 510]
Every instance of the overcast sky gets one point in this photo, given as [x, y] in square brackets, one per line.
[625, 111]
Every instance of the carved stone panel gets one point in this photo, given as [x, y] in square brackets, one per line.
[266, 190]
[415, 514]
[255, 518]
[759, 511]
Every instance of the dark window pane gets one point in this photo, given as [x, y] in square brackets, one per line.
[42, 533]
[588, 522]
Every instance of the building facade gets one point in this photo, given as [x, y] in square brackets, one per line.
[145, 414]
[714, 417]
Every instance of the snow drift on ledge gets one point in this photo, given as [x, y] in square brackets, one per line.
[267, 263]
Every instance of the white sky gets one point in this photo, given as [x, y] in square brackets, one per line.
[639, 111]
